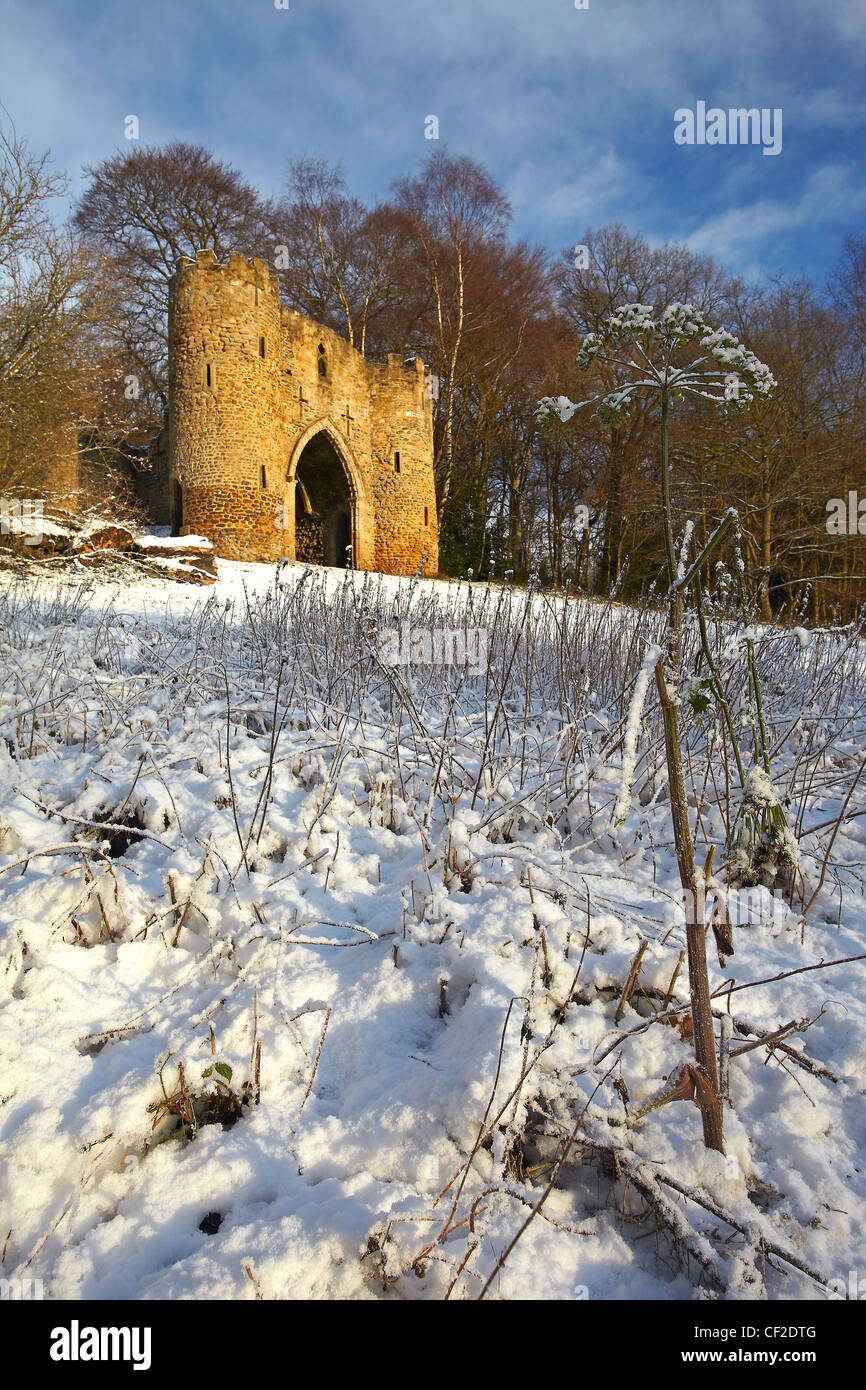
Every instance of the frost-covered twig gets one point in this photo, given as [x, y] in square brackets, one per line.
[629, 751]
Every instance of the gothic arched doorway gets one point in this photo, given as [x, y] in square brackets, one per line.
[324, 506]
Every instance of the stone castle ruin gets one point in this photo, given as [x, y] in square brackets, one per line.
[281, 439]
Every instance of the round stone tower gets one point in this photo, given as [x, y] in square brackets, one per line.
[226, 432]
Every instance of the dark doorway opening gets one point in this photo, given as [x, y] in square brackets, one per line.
[176, 507]
[338, 539]
[323, 506]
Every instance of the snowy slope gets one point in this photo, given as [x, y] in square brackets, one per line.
[223, 820]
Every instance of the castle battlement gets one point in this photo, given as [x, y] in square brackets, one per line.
[252, 271]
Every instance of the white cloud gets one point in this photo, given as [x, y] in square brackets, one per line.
[738, 233]
[572, 111]
[568, 205]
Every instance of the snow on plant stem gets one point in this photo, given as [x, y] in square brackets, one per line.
[629, 748]
[647, 352]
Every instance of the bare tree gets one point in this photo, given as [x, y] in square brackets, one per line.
[143, 209]
[454, 210]
[320, 229]
[848, 283]
[55, 301]
[613, 266]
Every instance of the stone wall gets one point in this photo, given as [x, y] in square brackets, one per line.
[404, 501]
[251, 384]
[152, 480]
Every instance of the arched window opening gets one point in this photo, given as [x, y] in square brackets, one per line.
[323, 364]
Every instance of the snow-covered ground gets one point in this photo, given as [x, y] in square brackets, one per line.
[225, 820]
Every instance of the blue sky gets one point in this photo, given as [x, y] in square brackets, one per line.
[571, 110]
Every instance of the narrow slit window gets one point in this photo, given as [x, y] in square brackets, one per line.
[261, 347]
[207, 375]
[263, 475]
[323, 365]
[426, 522]
[397, 462]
